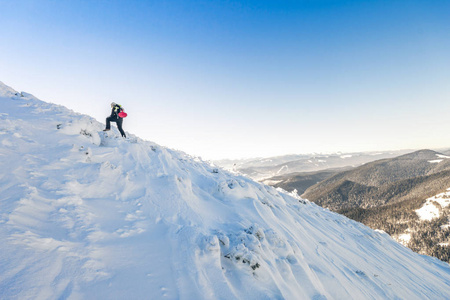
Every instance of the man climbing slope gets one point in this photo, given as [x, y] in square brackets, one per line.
[117, 115]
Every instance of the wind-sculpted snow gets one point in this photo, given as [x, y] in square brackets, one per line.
[89, 215]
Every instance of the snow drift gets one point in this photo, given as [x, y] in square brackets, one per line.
[89, 215]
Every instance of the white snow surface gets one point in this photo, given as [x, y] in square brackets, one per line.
[433, 206]
[85, 215]
[436, 161]
[441, 158]
[428, 211]
[404, 238]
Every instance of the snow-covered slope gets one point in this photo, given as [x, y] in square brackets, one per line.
[84, 215]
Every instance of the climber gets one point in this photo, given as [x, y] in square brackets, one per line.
[117, 115]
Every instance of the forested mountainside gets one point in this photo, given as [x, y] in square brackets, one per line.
[386, 194]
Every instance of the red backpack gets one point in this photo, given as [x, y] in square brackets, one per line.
[122, 113]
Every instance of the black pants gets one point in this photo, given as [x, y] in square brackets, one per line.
[119, 122]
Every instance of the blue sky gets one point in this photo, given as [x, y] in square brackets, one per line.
[229, 79]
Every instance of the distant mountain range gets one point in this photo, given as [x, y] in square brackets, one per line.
[386, 194]
[413, 176]
[264, 168]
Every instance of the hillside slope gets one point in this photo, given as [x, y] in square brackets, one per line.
[413, 176]
[265, 168]
[88, 215]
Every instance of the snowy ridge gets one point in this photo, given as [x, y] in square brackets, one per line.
[88, 215]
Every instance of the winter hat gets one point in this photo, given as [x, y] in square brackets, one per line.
[113, 103]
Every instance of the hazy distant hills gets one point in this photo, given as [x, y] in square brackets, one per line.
[264, 168]
[413, 176]
[301, 181]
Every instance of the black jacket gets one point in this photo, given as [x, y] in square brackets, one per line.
[115, 112]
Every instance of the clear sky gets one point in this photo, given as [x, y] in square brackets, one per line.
[234, 79]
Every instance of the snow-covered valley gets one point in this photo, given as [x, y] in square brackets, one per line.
[89, 215]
